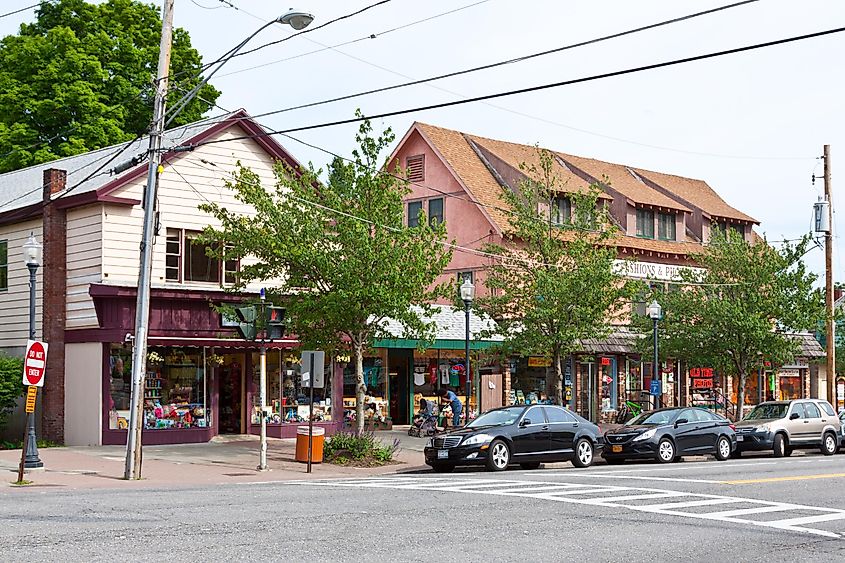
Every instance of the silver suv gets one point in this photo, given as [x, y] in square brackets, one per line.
[782, 426]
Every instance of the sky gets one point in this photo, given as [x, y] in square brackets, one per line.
[752, 125]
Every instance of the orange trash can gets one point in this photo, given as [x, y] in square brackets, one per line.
[318, 436]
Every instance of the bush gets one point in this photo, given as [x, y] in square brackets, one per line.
[358, 449]
[11, 388]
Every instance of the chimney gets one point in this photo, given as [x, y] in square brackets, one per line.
[55, 181]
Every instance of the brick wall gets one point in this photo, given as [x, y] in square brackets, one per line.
[54, 298]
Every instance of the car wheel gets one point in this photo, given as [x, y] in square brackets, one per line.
[443, 467]
[829, 445]
[779, 446]
[723, 448]
[583, 453]
[665, 451]
[530, 465]
[498, 456]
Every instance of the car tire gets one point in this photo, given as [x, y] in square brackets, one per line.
[584, 453]
[443, 467]
[498, 456]
[531, 465]
[829, 445]
[779, 446]
[665, 451]
[723, 448]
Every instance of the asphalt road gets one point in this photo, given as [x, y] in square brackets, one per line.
[754, 509]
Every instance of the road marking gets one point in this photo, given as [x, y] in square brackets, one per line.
[611, 496]
[779, 479]
[645, 478]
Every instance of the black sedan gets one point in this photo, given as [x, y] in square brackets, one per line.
[527, 435]
[668, 434]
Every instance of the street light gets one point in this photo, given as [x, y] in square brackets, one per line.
[655, 311]
[467, 295]
[296, 19]
[32, 257]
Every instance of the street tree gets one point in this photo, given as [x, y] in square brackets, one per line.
[738, 311]
[343, 260]
[553, 282]
[81, 77]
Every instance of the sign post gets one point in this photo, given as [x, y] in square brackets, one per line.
[316, 365]
[35, 361]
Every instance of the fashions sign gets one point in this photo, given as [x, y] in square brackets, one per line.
[652, 270]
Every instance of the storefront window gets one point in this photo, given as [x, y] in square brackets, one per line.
[533, 382]
[375, 402]
[609, 384]
[174, 388]
[790, 384]
[287, 398]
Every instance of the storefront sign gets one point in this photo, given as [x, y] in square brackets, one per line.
[539, 362]
[701, 372]
[789, 373]
[702, 383]
[34, 363]
[31, 393]
[651, 270]
[655, 388]
[605, 361]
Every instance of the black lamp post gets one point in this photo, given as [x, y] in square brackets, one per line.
[655, 311]
[32, 255]
[467, 295]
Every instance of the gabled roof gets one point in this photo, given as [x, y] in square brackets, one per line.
[697, 193]
[21, 190]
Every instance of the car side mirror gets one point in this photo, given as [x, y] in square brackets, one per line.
[680, 421]
[525, 422]
[794, 415]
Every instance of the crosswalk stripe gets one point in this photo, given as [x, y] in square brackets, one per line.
[691, 503]
[746, 511]
[639, 496]
[810, 519]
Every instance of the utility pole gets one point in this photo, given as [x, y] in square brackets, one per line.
[142, 307]
[828, 286]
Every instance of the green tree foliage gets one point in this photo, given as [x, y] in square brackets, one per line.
[81, 78]
[554, 283]
[11, 389]
[738, 312]
[347, 259]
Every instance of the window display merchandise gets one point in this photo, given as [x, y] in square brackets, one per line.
[287, 398]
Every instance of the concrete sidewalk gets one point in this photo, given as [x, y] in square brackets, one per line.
[228, 460]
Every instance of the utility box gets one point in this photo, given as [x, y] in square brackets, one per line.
[821, 216]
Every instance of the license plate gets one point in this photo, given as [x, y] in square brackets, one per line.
[740, 437]
[442, 454]
[616, 449]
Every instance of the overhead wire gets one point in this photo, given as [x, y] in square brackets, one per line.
[541, 87]
[18, 11]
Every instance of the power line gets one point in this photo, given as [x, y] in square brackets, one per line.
[537, 88]
[20, 10]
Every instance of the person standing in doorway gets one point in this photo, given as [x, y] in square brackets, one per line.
[447, 396]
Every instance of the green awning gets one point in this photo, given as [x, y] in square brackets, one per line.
[439, 344]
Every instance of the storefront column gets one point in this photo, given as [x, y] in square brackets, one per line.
[506, 382]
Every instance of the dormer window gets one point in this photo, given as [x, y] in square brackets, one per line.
[729, 229]
[666, 226]
[645, 223]
[560, 211]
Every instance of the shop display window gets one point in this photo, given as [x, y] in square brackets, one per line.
[287, 398]
[174, 388]
[531, 385]
[375, 377]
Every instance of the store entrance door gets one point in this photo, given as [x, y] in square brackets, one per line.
[400, 391]
[230, 375]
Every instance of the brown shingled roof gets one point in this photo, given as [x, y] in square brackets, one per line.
[697, 193]
[619, 178]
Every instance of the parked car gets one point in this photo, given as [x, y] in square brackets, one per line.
[782, 426]
[668, 434]
[527, 435]
[842, 430]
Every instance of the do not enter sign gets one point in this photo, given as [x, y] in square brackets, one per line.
[34, 363]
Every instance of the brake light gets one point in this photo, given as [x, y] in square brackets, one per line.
[732, 426]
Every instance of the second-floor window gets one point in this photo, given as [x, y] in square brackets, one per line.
[186, 260]
[414, 208]
[561, 210]
[728, 229]
[666, 226]
[645, 223]
[4, 265]
[435, 210]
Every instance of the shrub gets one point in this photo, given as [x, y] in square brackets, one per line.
[358, 449]
[11, 389]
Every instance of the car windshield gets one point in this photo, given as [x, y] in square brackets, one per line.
[498, 417]
[652, 418]
[767, 411]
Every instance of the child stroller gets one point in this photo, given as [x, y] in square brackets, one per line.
[424, 424]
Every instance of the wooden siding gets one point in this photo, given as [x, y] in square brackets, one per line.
[14, 302]
[84, 263]
[186, 183]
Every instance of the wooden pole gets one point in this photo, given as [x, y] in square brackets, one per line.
[828, 268]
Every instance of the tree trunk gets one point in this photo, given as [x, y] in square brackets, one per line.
[360, 387]
[740, 395]
[558, 378]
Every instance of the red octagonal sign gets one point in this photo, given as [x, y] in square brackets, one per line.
[34, 363]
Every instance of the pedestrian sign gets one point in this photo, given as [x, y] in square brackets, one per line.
[655, 388]
[31, 393]
[34, 363]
